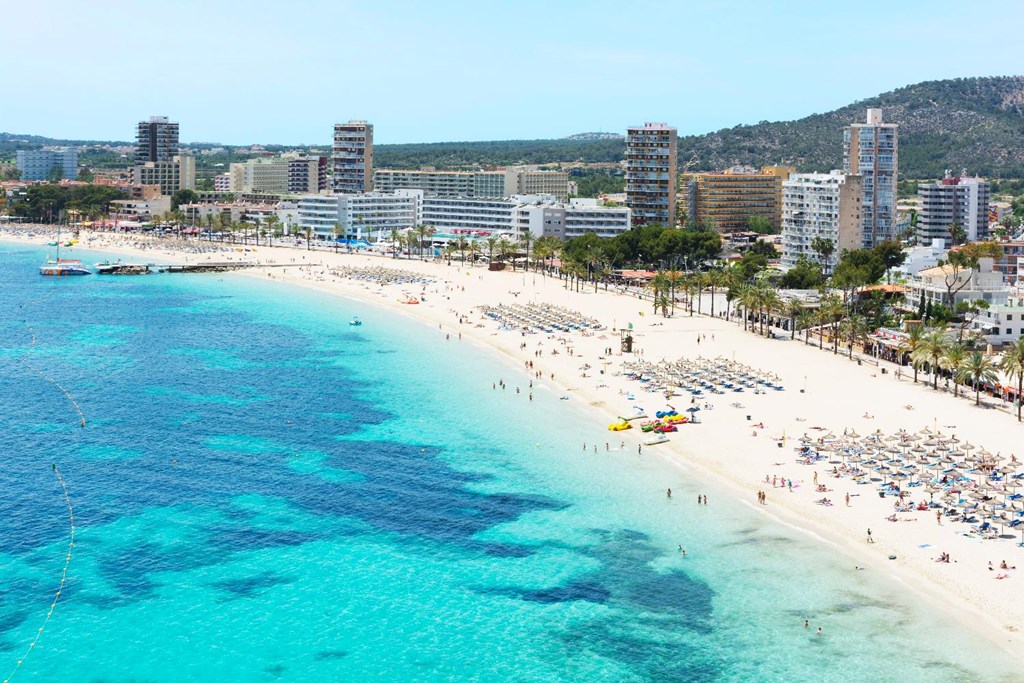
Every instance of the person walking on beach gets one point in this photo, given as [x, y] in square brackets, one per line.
[668, 493]
[938, 517]
[847, 500]
[870, 538]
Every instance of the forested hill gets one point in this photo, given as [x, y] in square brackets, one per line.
[455, 155]
[972, 123]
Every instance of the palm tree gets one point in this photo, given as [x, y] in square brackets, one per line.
[855, 329]
[805, 321]
[176, 217]
[574, 270]
[978, 368]
[224, 223]
[473, 249]
[761, 302]
[834, 310]
[421, 233]
[687, 286]
[431, 231]
[449, 250]
[336, 233]
[1013, 365]
[526, 239]
[732, 281]
[658, 285]
[951, 360]
[504, 250]
[824, 247]
[742, 296]
[930, 349]
[716, 278]
[792, 310]
[699, 282]
[542, 248]
[556, 251]
[774, 305]
[821, 317]
[396, 237]
[271, 222]
[461, 243]
[751, 300]
[491, 242]
[594, 259]
[909, 345]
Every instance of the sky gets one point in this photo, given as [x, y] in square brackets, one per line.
[434, 70]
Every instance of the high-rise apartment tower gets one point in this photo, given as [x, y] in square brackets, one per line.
[871, 150]
[651, 173]
[352, 157]
[959, 200]
[156, 140]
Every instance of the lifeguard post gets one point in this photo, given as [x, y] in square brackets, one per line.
[626, 338]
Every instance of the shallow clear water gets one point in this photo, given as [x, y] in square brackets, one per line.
[263, 492]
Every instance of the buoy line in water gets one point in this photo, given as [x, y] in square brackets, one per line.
[71, 515]
[63, 579]
[51, 380]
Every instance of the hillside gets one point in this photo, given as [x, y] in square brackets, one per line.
[973, 123]
[456, 155]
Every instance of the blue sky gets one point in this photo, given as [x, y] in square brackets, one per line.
[284, 72]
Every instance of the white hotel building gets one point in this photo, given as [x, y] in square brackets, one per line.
[820, 205]
[364, 216]
[360, 216]
[578, 217]
[458, 214]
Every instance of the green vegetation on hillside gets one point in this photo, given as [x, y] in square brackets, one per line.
[458, 155]
[594, 183]
[972, 123]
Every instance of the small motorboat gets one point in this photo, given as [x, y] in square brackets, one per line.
[656, 440]
[355, 321]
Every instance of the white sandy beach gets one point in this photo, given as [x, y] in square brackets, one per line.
[838, 394]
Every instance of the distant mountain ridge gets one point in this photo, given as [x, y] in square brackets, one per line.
[972, 123]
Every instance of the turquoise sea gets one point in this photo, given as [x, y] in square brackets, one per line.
[263, 492]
